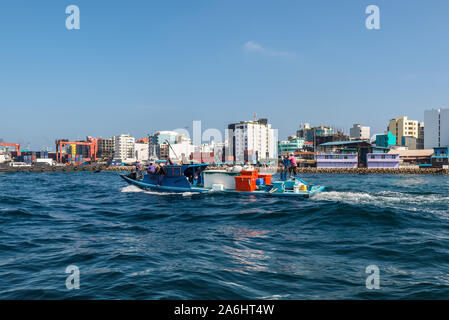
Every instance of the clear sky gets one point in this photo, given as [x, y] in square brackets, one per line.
[141, 66]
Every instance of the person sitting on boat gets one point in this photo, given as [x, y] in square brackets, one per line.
[161, 171]
[293, 165]
[151, 168]
[138, 170]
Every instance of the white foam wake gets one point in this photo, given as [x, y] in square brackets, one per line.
[389, 199]
[132, 188]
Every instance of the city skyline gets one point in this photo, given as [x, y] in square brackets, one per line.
[159, 66]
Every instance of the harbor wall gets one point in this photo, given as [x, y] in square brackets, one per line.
[96, 168]
[374, 170]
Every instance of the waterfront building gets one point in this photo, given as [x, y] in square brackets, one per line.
[385, 140]
[344, 161]
[167, 136]
[156, 140]
[412, 158]
[124, 147]
[308, 147]
[293, 144]
[310, 134]
[402, 126]
[221, 152]
[420, 140]
[252, 141]
[440, 157]
[409, 142]
[182, 149]
[141, 151]
[359, 132]
[106, 148]
[382, 160]
[163, 151]
[334, 137]
[436, 131]
[306, 158]
[360, 148]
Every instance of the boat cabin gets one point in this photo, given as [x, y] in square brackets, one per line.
[178, 176]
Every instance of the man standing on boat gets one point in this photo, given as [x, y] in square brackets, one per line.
[285, 163]
[293, 165]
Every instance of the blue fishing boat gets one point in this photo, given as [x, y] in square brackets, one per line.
[195, 178]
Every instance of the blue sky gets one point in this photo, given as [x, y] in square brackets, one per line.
[142, 66]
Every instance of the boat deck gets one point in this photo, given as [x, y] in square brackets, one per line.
[197, 189]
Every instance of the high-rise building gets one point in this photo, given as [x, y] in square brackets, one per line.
[252, 140]
[106, 148]
[310, 134]
[420, 140]
[159, 138]
[124, 147]
[436, 131]
[402, 126]
[359, 132]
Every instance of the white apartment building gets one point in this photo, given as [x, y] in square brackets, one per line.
[124, 147]
[359, 132]
[252, 140]
[141, 151]
[436, 129]
[182, 149]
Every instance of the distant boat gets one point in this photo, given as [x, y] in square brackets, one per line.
[195, 178]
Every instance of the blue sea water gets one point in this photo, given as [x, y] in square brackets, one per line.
[131, 244]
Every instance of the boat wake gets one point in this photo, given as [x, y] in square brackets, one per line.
[387, 199]
[132, 188]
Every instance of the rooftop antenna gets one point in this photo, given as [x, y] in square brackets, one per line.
[255, 117]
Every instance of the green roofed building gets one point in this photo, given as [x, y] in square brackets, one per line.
[292, 145]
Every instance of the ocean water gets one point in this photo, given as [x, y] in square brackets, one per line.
[130, 244]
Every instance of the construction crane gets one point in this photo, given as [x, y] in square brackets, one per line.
[92, 144]
[16, 145]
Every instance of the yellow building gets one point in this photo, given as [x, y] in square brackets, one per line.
[402, 127]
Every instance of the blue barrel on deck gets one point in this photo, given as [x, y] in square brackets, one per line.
[260, 182]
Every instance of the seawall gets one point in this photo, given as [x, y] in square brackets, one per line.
[374, 171]
[96, 168]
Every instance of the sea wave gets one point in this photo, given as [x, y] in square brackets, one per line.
[134, 244]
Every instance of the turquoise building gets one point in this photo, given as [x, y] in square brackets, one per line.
[291, 145]
[385, 140]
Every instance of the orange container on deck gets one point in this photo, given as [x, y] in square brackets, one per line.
[250, 173]
[245, 183]
[266, 178]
